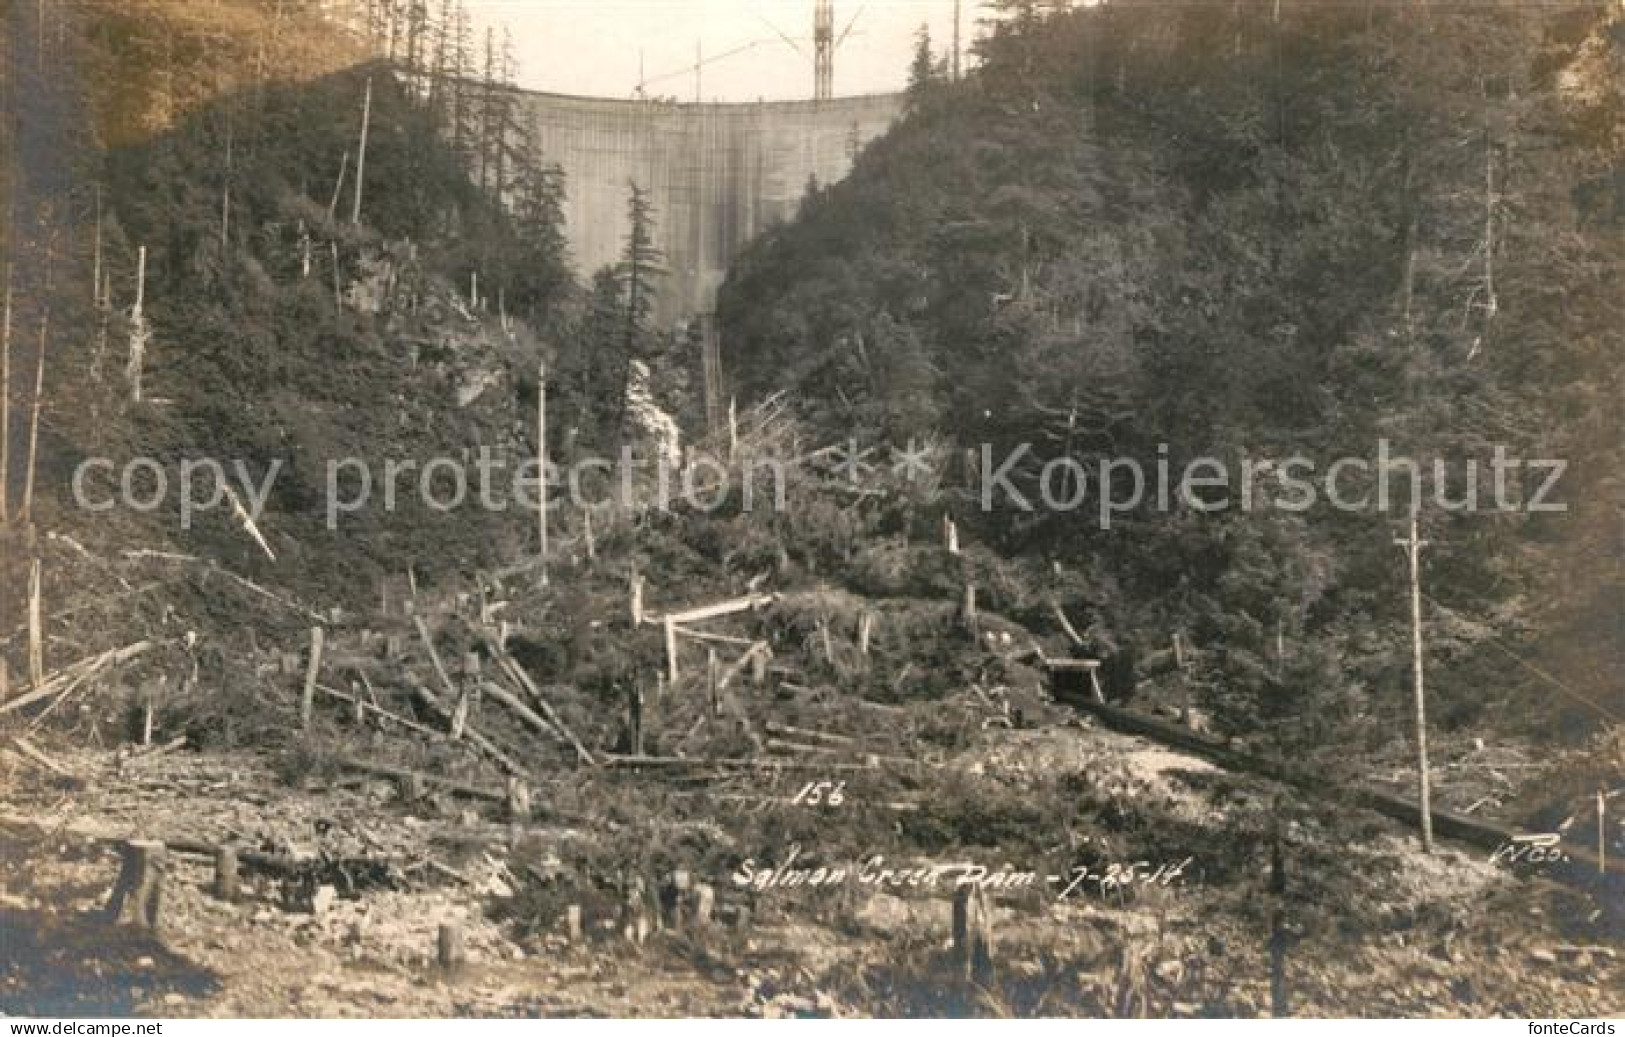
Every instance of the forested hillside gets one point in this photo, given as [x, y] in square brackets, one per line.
[1148, 230]
[208, 280]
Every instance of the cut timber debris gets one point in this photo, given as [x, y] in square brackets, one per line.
[213, 566]
[780, 746]
[697, 763]
[1582, 863]
[155, 751]
[758, 652]
[247, 521]
[70, 677]
[522, 711]
[434, 656]
[29, 750]
[1088, 667]
[402, 774]
[721, 639]
[383, 714]
[720, 609]
[517, 672]
[1067, 627]
[799, 732]
[471, 736]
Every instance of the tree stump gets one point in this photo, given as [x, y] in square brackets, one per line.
[518, 800]
[635, 913]
[227, 885]
[705, 903]
[675, 902]
[410, 788]
[572, 923]
[313, 669]
[973, 933]
[634, 718]
[1280, 1003]
[452, 953]
[138, 893]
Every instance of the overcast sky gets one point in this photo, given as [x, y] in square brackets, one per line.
[594, 46]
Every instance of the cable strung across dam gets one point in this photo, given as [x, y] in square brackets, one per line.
[717, 174]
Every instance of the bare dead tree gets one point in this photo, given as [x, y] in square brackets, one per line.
[96, 275]
[361, 153]
[33, 421]
[225, 188]
[5, 405]
[140, 331]
[338, 188]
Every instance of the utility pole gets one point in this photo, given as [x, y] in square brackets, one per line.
[954, 66]
[824, 49]
[1413, 545]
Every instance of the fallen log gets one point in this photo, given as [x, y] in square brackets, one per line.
[29, 750]
[779, 745]
[756, 649]
[434, 656]
[717, 611]
[517, 672]
[351, 874]
[1066, 626]
[801, 732]
[522, 711]
[471, 736]
[75, 674]
[403, 774]
[213, 566]
[721, 639]
[152, 752]
[1483, 834]
[681, 762]
[376, 710]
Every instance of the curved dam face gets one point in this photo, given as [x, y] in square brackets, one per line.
[717, 174]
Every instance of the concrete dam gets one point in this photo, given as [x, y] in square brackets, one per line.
[717, 174]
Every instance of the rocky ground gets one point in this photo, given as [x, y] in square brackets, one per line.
[1367, 925]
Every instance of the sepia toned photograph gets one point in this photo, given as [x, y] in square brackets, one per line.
[811, 510]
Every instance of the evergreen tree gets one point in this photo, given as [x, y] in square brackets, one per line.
[594, 372]
[540, 264]
[922, 71]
